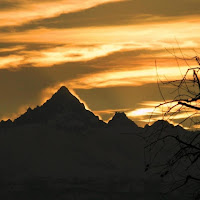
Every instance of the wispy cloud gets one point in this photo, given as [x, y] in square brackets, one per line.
[83, 44]
[95, 44]
[71, 46]
[127, 77]
[27, 11]
[71, 14]
[149, 112]
[12, 61]
[151, 34]
[12, 49]
[68, 53]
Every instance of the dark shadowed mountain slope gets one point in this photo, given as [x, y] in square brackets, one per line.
[6, 124]
[121, 122]
[30, 153]
[164, 126]
[63, 110]
[35, 148]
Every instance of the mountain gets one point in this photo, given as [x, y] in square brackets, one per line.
[163, 126]
[39, 159]
[6, 124]
[37, 147]
[62, 110]
[121, 122]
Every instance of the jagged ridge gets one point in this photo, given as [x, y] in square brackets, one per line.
[120, 120]
[62, 109]
[65, 111]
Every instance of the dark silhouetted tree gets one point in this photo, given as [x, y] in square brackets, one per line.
[172, 152]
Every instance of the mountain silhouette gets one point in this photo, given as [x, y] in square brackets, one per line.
[6, 124]
[62, 110]
[162, 125]
[36, 148]
[121, 122]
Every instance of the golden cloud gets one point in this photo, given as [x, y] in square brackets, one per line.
[12, 61]
[151, 113]
[35, 10]
[127, 77]
[107, 40]
[145, 35]
[76, 43]
[11, 49]
[64, 54]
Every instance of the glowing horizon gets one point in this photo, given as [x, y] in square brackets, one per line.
[96, 48]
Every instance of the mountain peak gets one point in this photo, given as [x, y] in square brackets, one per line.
[64, 98]
[121, 120]
[63, 110]
[120, 115]
[62, 90]
[162, 125]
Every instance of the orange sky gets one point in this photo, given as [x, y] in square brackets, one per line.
[104, 51]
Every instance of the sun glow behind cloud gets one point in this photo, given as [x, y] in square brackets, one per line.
[83, 44]
[127, 77]
[152, 34]
[11, 61]
[117, 50]
[12, 49]
[48, 92]
[149, 112]
[64, 54]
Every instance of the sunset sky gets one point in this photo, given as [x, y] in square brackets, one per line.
[104, 51]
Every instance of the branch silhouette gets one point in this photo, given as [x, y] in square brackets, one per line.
[173, 152]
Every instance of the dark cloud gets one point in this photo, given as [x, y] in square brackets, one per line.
[8, 44]
[9, 4]
[13, 4]
[29, 46]
[124, 58]
[10, 48]
[118, 13]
